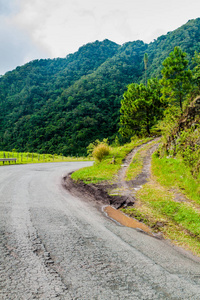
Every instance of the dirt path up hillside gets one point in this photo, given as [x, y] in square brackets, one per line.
[128, 188]
[121, 193]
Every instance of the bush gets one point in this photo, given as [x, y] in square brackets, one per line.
[100, 151]
[91, 146]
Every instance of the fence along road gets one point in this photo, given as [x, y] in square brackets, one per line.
[32, 157]
[56, 246]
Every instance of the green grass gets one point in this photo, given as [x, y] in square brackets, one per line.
[105, 170]
[173, 173]
[135, 167]
[170, 229]
[156, 203]
[25, 157]
[180, 213]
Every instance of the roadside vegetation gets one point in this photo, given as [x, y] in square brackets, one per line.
[107, 168]
[170, 203]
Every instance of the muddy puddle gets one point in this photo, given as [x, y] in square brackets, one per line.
[124, 220]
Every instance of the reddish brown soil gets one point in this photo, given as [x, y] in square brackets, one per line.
[123, 219]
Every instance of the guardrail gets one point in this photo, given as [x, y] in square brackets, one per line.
[8, 159]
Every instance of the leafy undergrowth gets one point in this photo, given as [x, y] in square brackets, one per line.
[158, 207]
[24, 158]
[106, 169]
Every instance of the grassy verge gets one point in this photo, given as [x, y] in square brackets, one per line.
[24, 158]
[173, 173]
[160, 223]
[156, 206]
[105, 170]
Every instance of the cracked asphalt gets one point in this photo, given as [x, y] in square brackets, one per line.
[56, 246]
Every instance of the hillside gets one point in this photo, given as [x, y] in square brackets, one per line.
[61, 105]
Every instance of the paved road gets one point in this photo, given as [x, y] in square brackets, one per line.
[56, 246]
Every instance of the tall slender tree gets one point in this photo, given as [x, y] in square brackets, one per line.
[145, 66]
[176, 80]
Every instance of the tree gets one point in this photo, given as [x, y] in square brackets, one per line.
[145, 66]
[196, 74]
[141, 108]
[176, 80]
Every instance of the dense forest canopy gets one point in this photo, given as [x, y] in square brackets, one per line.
[61, 105]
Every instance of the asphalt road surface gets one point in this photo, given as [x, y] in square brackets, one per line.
[56, 246]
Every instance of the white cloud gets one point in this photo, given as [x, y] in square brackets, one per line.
[62, 26]
[16, 47]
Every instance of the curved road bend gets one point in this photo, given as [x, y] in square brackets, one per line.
[56, 246]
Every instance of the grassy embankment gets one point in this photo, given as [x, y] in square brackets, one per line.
[170, 203]
[106, 170]
[24, 158]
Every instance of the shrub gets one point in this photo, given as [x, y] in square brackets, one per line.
[100, 151]
[91, 146]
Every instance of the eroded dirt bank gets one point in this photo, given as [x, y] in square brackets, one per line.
[101, 192]
[93, 192]
[124, 192]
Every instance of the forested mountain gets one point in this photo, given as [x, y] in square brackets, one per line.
[61, 105]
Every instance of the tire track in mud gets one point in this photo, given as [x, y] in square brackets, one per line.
[128, 189]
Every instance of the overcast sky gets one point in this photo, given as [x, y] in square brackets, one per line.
[34, 29]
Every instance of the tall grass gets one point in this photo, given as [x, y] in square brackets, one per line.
[100, 151]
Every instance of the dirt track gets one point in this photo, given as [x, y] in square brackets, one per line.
[123, 191]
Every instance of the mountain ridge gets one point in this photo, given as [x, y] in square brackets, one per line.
[63, 104]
